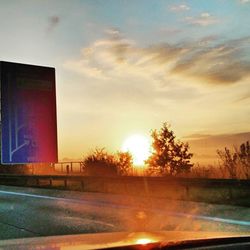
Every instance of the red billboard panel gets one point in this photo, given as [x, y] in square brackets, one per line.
[28, 114]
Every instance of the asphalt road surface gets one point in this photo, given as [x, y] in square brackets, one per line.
[31, 212]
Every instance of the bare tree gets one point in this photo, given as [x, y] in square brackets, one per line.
[229, 160]
[235, 163]
[244, 158]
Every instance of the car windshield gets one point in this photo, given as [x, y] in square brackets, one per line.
[124, 116]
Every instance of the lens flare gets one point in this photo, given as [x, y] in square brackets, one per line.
[139, 147]
[144, 241]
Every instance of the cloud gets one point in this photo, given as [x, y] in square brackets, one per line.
[179, 8]
[197, 136]
[219, 64]
[118, 57]
[244, 1]
[53, 22]
[205, 146]
[204, 19]
[244, 97]
[207, 40]
[114, 32]
[169, 32]
[231, 138]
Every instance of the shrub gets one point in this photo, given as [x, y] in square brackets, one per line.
[101, 163]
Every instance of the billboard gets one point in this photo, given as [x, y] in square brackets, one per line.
[28, 114]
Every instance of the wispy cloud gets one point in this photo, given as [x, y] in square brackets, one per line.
[197, 136]
[204, 19]
[53, 22]
[119, 57]
[219, 65]
[179, 8]
[169, 31]
[244, 97]
[205, 146]
[244, 1]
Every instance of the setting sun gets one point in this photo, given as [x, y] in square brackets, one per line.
[139, 147]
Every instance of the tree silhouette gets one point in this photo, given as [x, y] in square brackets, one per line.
[169, 156]
[101, 163]
[236, 162]
[244, 158]
[229, 162]
[124, 162]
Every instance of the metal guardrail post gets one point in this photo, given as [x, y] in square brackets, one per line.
[187, 191]
[230, 193]
[82, 185]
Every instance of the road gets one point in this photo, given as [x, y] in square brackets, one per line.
[31, 212]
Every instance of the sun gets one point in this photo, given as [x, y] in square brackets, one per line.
[139, 147]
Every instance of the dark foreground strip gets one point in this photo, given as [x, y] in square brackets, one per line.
[99, 203]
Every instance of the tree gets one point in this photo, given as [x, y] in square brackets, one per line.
[101, 163]
[124, 162]
[244, 158]
[229, 162]
[236, 164]
[169, 156]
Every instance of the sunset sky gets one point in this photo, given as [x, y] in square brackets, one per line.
[124, 67]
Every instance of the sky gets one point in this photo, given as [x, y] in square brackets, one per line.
[125, 67]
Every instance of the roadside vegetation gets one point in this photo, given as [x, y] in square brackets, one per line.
[233, 163]
[102, 163]
[170, 156]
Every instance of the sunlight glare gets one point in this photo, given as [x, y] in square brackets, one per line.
[139, 147]
[144, 241]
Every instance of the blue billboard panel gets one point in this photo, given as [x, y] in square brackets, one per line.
[28, 114]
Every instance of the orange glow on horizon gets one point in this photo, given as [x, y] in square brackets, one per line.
[139, 147]
[144, 241]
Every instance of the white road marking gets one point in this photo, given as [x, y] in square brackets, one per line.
[98, 203]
